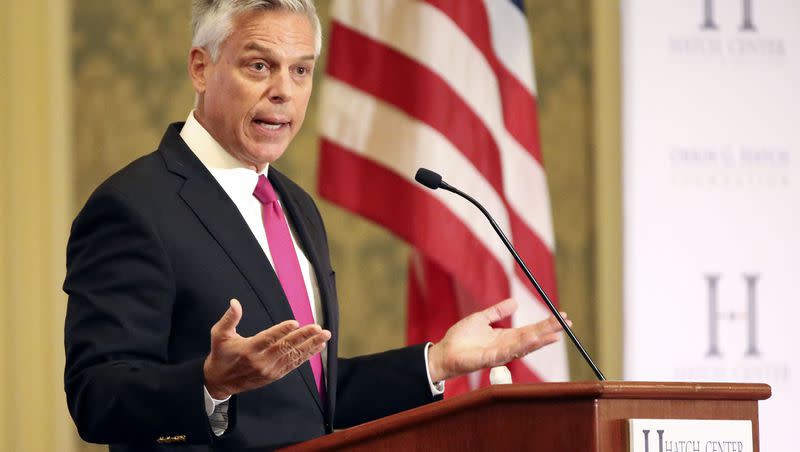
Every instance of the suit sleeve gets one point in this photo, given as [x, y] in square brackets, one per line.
[373, 386]
[120, 385]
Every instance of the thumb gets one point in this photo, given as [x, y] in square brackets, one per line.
[226, 325]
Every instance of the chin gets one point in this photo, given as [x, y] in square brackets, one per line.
[264, 156]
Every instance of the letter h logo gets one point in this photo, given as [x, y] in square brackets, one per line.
[646, 434]
[715, 315]
[747, 16]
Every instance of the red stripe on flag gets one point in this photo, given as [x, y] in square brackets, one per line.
[519, 106]
[429, 321]
[414, 215]
[418, 91]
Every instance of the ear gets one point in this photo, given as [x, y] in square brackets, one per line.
[199, 63]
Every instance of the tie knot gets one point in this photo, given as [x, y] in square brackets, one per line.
[264, 191]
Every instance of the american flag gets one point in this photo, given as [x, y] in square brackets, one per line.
[448, 85]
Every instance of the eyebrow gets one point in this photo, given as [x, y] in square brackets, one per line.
[261, 49]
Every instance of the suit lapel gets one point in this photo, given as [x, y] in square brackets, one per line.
[224, 222]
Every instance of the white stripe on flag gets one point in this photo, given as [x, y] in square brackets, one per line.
[509, 31]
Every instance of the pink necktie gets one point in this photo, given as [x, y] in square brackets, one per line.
[287, 266]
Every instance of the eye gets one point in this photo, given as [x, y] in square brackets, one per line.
[259, 66]
[302, 70]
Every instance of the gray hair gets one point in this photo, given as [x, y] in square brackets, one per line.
[212, 20]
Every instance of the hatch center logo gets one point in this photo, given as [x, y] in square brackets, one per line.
[734, 350]
[667, 445]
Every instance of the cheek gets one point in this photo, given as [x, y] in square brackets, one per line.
[234, 95]
[302, 106]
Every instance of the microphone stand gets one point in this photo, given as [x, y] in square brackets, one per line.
[528, 273]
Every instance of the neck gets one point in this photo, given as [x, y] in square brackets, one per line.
[201, 118]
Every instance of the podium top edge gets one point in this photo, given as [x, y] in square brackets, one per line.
[629, 390]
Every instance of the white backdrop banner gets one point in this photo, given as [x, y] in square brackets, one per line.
[711, 133]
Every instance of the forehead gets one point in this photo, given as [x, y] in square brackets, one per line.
[279, 30]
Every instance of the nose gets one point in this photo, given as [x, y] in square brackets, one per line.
[279, 90]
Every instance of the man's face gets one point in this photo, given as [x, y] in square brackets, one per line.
[253, 99]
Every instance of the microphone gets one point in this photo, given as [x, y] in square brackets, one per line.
[433, 181]
[429, 179]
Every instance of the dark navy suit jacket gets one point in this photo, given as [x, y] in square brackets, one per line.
[153, 259]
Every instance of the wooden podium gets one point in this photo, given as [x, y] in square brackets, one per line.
[563, 417]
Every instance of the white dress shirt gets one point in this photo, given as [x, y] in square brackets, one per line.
[239, 181]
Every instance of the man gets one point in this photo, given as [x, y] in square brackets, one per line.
[199, 279]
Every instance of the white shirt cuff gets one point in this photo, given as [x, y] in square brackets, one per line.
[211, 403]
[436, 388]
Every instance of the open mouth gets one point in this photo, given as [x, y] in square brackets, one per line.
[271, 124]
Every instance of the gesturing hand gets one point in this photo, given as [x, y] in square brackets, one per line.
[472, 344]
[238, 363]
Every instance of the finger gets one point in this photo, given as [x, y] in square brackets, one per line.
[291, 350]
[297, 337]
[536, 340]
[547, 326]
[552, 337]
[542, 341]
[273, 334]
[499, 311]
[302, 344]
[557, 325]
[288, 343]
[314, 344]
[226, 325]
[292, 356]
[530, 337]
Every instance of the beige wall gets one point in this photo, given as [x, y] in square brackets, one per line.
[35, 189]
[94, 94]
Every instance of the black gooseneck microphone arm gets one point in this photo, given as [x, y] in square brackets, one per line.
[433, 181]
